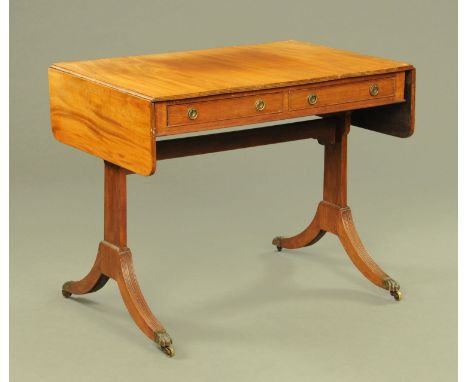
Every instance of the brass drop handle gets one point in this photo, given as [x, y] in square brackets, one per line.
[260, 105]
[192, 113]
[312, 99]
[374, 90]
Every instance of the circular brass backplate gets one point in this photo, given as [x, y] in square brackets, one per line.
[192, 113]
[312, 99]
[374, 89]
[260, 105]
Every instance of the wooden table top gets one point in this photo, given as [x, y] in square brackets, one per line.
[116, 108]
[182, 75]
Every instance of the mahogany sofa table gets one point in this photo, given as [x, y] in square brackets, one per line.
[118, 108]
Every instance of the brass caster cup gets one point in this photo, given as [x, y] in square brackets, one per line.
[165, 342]
[168, 350]
[397, 295]
[394, 288]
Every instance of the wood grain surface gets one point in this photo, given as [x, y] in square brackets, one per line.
[180, 75]
[109, 124]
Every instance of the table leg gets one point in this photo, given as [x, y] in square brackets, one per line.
[334, 216]
[114, 260]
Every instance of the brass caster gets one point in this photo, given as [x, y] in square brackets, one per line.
[277, 241]
[169, 351]
[397, 295]
[394, 288]
[164, 341]
[65, 292]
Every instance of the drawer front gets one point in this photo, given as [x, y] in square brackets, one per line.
[192, 113]
[327, 95]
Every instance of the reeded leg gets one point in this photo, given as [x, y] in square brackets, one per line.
[118, 264]
[334, 216]
[335, 219]
[114, 260]
[358, 254]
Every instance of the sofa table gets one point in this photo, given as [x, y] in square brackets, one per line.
[118, 108]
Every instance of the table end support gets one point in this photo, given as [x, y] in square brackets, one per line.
[333, 214]
[114, 260]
